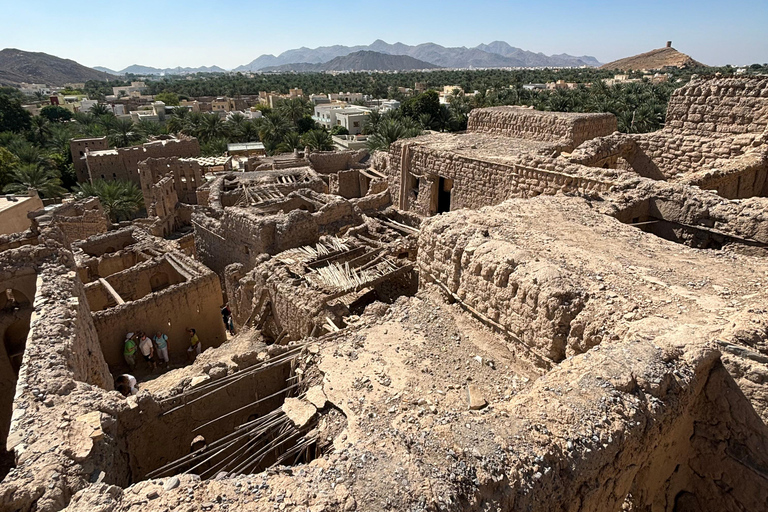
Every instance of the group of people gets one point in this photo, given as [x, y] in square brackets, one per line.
[155, 350]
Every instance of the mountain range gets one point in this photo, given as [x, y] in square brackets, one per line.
[137, 69]
[359, 61]
[494, 55]
[18, 66]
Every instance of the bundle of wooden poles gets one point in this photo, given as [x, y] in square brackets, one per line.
[272, 439]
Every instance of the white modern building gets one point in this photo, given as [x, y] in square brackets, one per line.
[350, 117]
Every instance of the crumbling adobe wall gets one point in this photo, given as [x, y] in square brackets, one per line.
[734, 178]
[123, 163]
[566, 129]
[153, 440]
[720, 106]
[476, 183]
[16, 240]
[75, 221]
[63, 374]
[681, 204]
[250, 235]
[194, 303]
[327, 162]
[536, 302]
[107, 243]
[186, 177]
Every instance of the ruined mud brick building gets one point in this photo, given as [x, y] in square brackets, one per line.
[78, 148]
[123, 163]
[588, 331]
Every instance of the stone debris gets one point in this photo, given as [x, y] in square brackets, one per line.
[299, 411]
[475, 398]
[316, 396]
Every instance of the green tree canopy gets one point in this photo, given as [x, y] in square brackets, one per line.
[120, 199]
[44, 180]
[55, 113]
[13, 117]
[169, 98]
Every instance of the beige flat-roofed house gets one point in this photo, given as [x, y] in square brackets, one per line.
[13, 212]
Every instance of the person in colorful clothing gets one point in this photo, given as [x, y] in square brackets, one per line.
[195, 347]
[161, 342]
[129, 350]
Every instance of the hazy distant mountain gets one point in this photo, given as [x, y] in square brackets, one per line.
[357, 61]
[137, 69]
[538, 59]
[655, 59]
[496, 54]
[105, 70]
[17, 66]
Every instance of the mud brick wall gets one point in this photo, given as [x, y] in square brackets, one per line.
[78, 147]
[63, 373]
[186, 176]
[534, 301]
[476, 183]
[326, 162]
[737, 178]
[123, 163]
[720, 106]
[567, 129]
[236, 235]
[107, 243]
[174, 431]
[195, 303]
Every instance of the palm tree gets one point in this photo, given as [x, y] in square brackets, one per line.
[44, 180]
[272, 128]
[193, 124]
[389, 131]
[120, 199]
[248, 132]
[318, 140]
[100, 109]
[123, 133]
[147, 128]
[294, 109]
[178, 120]
[291, 141]
[235, 122]
[214, 147]
[212, 127]
[40, 129]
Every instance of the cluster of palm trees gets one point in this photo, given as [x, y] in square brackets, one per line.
[120, 199]
[287, 127]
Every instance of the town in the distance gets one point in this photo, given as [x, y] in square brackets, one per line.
[384, 278]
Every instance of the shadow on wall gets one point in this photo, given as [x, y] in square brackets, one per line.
[16, 308]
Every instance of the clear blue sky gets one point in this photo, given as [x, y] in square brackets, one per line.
[229, 33]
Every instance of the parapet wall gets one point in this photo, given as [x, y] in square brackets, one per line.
[720, 106]
[476, 183]
[567, 129]
[326, 162]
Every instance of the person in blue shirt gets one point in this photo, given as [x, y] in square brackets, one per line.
[161, 343]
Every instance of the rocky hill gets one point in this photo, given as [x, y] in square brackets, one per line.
[17, 66]
[660, 58]
[358, 61]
